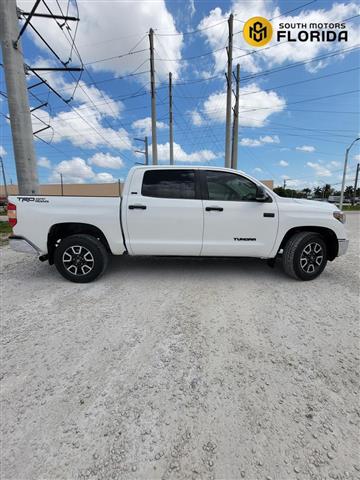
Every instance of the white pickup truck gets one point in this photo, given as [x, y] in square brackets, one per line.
[180, 211]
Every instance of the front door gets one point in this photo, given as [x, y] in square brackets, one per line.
[235, 224]
[164, 214]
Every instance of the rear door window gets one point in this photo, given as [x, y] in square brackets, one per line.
[169, 184]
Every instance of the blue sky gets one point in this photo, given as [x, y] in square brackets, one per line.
[286, 130]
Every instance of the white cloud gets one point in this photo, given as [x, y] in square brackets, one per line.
[357, 157]
[320, 170]
[104, 177]
[253, 142]
[196, 118]
[334, 164]
[180, 156]
[108, 29]
[106, 160]
[143, 126]
[44, 162]
[86, 131]
[250, 142]
[191, 8]
[257, 170]
[306, 148]
[270, 139]
[280, 54]
[254, 109]
[283, 163]
[2, 151]
[77, 170]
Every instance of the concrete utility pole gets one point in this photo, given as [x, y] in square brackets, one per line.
[356, 181]
[235, 139]
[344, 174]
[20, 116]
[153, 100]
[4, 178]
[62, 184]
[229, 95]
[171, 132]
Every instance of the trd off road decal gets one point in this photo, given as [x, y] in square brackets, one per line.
[33, 199]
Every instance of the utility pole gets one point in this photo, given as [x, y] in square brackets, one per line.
[229, 95]
[235, 138]
[356, 182]
[62, 184]
[153, 99]
[171, 132]
[146, 151]
[284, 183]
[344, 174]
[20, 116]
[4, 178]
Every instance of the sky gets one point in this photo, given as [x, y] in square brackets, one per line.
[299, 102]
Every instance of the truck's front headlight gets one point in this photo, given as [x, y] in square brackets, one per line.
[340, 216]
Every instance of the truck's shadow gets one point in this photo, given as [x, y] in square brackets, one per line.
[209, 266]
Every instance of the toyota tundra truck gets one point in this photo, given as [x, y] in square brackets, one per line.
[178, 211]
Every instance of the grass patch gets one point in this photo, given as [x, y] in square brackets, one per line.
[351, 208]
[5, 227]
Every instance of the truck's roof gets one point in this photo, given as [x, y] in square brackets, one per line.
[187, 167]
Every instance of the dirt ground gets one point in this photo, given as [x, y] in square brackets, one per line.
[180, 369]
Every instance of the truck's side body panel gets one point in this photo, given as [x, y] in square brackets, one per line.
[36, 215]
[294, 213]
[161, 226]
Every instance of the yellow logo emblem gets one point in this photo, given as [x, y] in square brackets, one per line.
[257, 31]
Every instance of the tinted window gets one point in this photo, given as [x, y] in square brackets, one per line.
[169, 184]
[230, 187]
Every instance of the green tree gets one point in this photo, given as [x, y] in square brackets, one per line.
[327, 190]
[317, 191]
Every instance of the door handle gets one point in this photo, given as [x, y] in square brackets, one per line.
[215, 209]
[137, 207]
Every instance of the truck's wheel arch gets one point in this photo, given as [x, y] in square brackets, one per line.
[59, 231]
[329, 236]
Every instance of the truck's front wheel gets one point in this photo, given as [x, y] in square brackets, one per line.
[81, 258]
[304, 256]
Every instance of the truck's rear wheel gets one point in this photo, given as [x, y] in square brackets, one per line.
[304, 256]
[81, 258]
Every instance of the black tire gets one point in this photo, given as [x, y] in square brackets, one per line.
[304, 256]
[81, 258]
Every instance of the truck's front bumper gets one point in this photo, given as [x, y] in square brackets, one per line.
[21, 244]
[343, 246]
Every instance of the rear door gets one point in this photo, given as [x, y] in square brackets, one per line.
[235, 224]
[164, 214]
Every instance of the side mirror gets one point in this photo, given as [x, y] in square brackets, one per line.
[261, 195]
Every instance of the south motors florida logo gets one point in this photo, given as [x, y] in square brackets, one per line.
[258, 32]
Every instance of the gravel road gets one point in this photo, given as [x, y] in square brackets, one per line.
[180, 369]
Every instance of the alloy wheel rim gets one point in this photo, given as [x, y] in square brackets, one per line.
[311, 257]
[78, 260]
